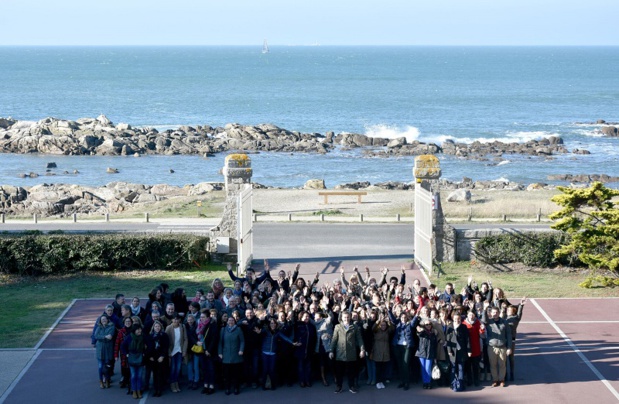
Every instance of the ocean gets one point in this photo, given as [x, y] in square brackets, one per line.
[428, 94]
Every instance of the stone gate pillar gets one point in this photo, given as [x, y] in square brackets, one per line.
[237, 172]
[427, 172]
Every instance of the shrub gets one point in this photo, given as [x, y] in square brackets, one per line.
[532, 249]
[36, 254]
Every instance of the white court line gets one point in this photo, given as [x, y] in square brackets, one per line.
[50, 329]
[88, 322]
[577, 350]
[574, 322]
[19, 376]
[37, 353]
[576, 298]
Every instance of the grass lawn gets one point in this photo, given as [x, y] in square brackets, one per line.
[30, 306]
[518, 281]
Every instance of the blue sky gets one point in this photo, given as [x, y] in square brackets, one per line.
[324, 22]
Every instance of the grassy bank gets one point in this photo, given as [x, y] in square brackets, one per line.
[518, 280]
[30, 306]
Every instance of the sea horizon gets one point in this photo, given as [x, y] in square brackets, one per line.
[427, 93]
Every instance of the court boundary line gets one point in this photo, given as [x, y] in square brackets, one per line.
[577, 350]
[53, 326]
[21, 374]
[37, 352]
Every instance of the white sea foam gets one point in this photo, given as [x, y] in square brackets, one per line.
[511, 137]
[501, 179]
[589, 133]
[502, 163]
[411, 133]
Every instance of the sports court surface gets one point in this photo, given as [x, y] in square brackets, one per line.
[567, 352]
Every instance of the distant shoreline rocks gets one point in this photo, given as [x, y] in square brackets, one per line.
[100, 136]
[62, 200]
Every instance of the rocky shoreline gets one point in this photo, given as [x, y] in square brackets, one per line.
[99, 136]
[63, 200]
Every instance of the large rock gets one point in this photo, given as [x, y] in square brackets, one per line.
[204, 188]
[103, 120]
[167, 190]
[314, 184]
[401, 141]
[459, 195]
[610, 131]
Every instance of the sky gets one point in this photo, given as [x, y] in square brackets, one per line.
[305, 22]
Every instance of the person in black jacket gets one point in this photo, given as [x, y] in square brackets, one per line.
[193, 359]
[208, 336]
[251, 327]
[305, 344]
[426, 351]
[458, 349]
[157, 345]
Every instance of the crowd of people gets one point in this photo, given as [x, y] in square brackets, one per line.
[268, 332]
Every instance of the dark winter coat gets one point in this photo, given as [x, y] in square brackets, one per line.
[458, 345]
[305, 334]
[428, 341]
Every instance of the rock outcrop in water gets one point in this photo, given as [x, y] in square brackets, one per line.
[90, 136]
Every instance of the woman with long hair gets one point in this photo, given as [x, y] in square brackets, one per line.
[157, 345]
[193, 358]
[271, 338]
[426, 352]
[124, 366]
[133, 349]
[208, 334]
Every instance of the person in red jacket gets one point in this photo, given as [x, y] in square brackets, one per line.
[124, 366]
[476, 331]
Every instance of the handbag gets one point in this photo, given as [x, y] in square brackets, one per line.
[436, 372]
[135, 359]
[197, 349]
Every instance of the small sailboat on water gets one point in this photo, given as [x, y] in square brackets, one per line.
[265, 47]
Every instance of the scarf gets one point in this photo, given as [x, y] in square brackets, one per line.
[137, 343]
[135, 310]
[231, 329]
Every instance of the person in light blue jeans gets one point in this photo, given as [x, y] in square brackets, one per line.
[193, 359]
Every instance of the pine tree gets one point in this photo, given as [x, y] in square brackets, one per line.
[591, 218]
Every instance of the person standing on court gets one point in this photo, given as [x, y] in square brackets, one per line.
[344, 344]
[458, 349]
[499, 335]
[231, 347]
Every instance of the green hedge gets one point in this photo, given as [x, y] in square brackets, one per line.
[37, 254]
[533, 249]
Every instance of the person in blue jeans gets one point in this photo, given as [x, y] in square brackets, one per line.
[134, 347]
[177, 350]
[271, 341]
[193, 361]
[426, 350]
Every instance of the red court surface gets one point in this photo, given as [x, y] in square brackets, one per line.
[548, 367]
